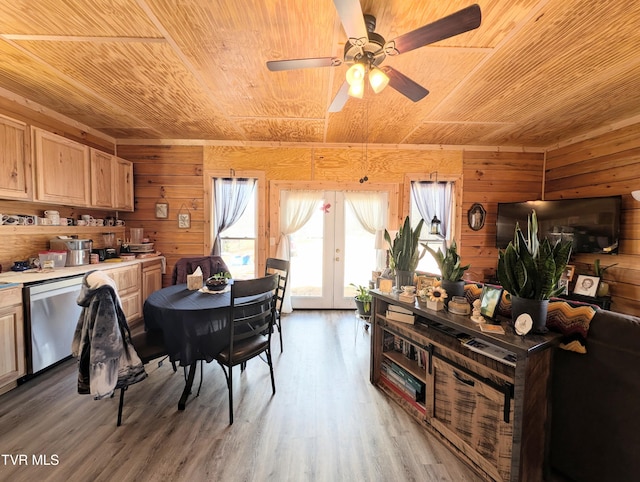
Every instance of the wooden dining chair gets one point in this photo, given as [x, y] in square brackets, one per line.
[280, 266]
[150, 346]
[251, 318]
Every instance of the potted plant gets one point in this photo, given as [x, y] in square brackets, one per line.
[529, 269]
[451, 271]
[363, 300]
[404, 252]
[218, 281]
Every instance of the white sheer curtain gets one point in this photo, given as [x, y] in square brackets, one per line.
[370, 208]
[231, 196]
[296, 209]
[434, 198]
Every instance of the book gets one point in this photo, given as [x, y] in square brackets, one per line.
[401, 317]
[489, 328]
[399, 309]
[492, 351]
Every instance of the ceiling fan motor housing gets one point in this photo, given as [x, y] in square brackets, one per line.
[369, 51]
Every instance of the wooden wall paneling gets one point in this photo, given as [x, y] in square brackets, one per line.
[606, 165]
[490, 178]
[19, 243]
[172, 173]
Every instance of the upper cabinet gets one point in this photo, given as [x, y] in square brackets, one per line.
[102, 176]
[63, 171]
[66, 172]
[123, 185]
[15, 163]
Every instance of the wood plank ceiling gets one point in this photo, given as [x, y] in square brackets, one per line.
[535, 73]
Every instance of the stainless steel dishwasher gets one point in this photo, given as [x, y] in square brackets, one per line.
[52, 314]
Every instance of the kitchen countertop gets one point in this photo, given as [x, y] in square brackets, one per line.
[11, 278]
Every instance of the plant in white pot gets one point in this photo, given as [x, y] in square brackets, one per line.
[451, 271]
[404, 252]
[529, 269]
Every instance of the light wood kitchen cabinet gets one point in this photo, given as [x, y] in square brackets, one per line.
[127, 280]
[123, 185]
[62, 169]
[102, 177]
[12, 357]
[151, 277]
[15, 162]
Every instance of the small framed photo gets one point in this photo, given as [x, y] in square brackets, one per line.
[586, 285]
[424, 283]
[489, 300]
[162, 210]
[569, 272]
[184, 220]
[564, 284]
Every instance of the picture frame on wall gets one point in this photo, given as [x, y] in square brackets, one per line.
[586, 285]
[184, 220]
[162, 210]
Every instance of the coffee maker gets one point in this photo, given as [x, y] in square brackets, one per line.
[110, 251]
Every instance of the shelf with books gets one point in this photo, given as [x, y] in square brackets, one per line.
[472, 394]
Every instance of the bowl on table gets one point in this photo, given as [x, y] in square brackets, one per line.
[216, 284]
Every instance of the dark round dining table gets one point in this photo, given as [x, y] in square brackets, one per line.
[195, 326]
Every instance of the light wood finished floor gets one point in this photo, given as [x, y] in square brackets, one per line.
[325, 423]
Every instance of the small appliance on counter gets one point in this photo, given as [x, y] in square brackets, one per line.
[110, 251]
[78, 250]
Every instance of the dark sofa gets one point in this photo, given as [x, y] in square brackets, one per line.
[595, 407]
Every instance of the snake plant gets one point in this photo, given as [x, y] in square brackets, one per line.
[530, 268]
[404, 252]
[448, 262]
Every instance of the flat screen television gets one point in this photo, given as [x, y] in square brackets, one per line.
[591, 224]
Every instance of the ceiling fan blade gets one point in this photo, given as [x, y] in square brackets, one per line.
[278, 65]
[352, 18]
[340, 99]
[404, 84]
[462, 21]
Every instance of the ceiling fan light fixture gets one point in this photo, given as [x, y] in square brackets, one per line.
[356, 89]
[355, 74]
[378, 79]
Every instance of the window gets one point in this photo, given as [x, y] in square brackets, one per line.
[238, 242]
[429, 199]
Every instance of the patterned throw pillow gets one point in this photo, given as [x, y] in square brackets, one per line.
[472, 292]
[573, 321]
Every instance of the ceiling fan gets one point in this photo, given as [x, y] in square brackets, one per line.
[365, 50]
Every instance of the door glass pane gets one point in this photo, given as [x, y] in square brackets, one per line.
[306, 256]
[359, 253]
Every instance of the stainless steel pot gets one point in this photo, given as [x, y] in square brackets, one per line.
[78, 250]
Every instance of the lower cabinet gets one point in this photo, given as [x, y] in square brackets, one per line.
[151, 277]
[473, 416]
[12, 357]
[127, 280]
[491, 413]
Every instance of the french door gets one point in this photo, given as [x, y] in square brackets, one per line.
[331, 251]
